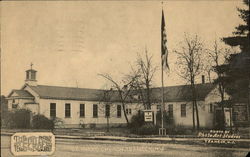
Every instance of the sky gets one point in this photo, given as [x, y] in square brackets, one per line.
[71, 42]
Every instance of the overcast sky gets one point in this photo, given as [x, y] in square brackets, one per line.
[69, 43]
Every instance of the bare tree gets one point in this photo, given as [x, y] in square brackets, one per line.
[143, 75]
[106, 105]
[190, 64]
[123, 91]
[217, 58]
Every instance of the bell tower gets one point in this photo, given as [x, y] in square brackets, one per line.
[31, 76]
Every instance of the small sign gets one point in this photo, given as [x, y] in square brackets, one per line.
[219, 137]
[33, 143]
[148, 116]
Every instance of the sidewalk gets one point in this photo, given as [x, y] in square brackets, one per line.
[118, 138]
[239, 143]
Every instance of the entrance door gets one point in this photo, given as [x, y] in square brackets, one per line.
[227, 117]
[218, 118]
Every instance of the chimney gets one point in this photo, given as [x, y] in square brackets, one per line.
[203, 79]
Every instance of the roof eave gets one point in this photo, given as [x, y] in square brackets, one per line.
[19, 97]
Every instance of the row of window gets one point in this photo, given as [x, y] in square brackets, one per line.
[82, 110]
[171, 110]
[183, 109]
[107, 110]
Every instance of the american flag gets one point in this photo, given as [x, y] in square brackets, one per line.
[164, 50]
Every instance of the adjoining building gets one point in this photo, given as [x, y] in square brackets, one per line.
[77, 106]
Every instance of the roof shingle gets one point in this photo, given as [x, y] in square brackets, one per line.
[67, 93]
[182, 92]
[171, 93]
[22, 93]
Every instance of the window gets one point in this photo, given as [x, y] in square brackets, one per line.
[239, 113]
[107, 110]
[27, 75]
[119, 111]
[53, 110]
[139, 97]
[33, 74]
[82, 110]
[67, 110]
[170, 110]
[183, 110]
[128, 111]
[95, 110]
[14, 106]
[211, 108]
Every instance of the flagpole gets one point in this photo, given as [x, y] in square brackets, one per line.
[162, 83]
[162, 89]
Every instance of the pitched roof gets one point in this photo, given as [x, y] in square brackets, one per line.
[182, 92]
[21, 93]
[68, 93]
[171, 93]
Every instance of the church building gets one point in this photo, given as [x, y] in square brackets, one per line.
[77, 106]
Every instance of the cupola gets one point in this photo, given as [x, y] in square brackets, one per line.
[31, 76]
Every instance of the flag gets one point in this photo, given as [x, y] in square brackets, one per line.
[164, 50]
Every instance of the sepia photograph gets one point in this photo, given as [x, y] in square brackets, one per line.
[110, 78]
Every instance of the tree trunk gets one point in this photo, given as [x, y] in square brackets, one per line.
[124, 112]
[194, 101]
[221, 88]
[107, 124]
[223, 115]
[193, 117]
[123, 107]
[196, 107]
[197, 115]
[142, 98]
[148, 97]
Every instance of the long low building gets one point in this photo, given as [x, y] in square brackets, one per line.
[78, 106]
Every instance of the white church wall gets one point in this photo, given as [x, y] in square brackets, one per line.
[214, 96]
[187, 121]
[34, 108]
[75, 120]
[19, 101]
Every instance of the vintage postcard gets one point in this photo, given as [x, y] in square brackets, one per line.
[125, 78]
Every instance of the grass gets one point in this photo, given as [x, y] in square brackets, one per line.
[121, 132]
